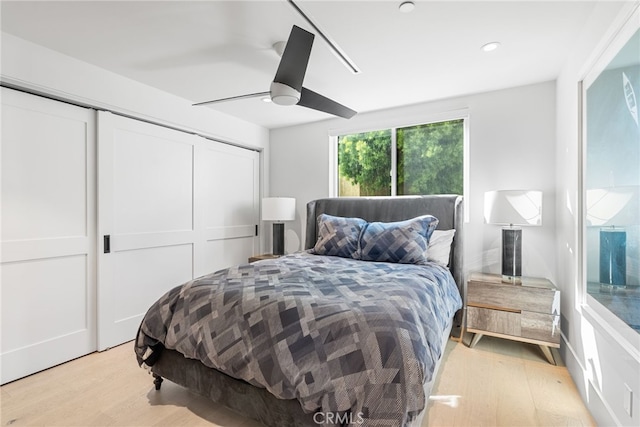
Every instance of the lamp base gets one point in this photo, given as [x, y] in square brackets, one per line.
[612, 289]
[516, 280]
[613, 257]
[512, 255]
[278, 238]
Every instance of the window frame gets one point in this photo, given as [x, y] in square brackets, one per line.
[393, 125]
[585, 302]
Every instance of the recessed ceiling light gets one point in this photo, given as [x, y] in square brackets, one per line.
[490, 46]
[266, 99]
[407, 6]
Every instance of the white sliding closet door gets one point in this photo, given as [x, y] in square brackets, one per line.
[48, 233]
[230, 205]
[145, 202]
[165, 216]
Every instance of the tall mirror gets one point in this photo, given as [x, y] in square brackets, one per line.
[611, 181]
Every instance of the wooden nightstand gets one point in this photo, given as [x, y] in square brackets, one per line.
[261, 257]
[527, 312]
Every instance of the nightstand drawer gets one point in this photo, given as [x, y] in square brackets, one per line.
[538, 326]
[512, 297]
[527, 310]
[526, 324]
[501, 322]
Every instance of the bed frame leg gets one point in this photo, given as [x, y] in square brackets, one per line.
[157, 380]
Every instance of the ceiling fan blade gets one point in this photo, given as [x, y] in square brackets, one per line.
[313, 100]
[233, 98]
[293, 64]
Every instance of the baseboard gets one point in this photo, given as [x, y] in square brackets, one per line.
[592, 398]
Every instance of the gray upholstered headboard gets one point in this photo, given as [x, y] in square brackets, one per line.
[447, 208]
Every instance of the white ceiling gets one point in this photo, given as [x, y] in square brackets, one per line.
[202, 50]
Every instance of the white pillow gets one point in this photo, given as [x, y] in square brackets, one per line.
[440, 246]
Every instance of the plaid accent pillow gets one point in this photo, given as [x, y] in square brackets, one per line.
[404, 242]
[338, 236]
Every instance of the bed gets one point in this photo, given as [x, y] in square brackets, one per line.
[333, 335]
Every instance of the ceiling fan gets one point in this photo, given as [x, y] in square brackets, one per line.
[286, 88]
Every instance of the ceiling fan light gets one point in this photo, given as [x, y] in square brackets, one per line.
[282, 94]
[285, 100]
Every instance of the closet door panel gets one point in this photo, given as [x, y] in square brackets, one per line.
[48, 233]
[45, 180]
[146, 210]
[230, 204]
[52, 317]
[153, 179]
[146, 274]
[230, 186]
[221, 254]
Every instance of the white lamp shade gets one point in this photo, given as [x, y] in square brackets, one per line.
[278, 209]
[513, 207]
[613, 206]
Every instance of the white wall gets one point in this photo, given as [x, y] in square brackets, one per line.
[511, 146]
[595, 348]
[39, 69]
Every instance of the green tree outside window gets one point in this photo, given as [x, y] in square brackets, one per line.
[364, 162]
[429, 160]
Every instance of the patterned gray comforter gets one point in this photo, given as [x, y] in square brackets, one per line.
[339, 335]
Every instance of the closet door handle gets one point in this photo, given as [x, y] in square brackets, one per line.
[107, 244]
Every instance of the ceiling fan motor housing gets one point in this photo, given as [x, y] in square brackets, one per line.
[282, 94]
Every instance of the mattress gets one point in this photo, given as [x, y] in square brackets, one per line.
[352, 338]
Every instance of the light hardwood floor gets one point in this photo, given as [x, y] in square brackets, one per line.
[498, 382]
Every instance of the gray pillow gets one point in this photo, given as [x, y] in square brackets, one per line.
[338, 236]
[404, 242]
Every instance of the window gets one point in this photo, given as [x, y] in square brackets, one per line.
[414, 160]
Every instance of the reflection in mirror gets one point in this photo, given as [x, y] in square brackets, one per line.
[612, 185]
[614, 206]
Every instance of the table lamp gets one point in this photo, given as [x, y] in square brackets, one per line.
[611, 209]
[513, 209]
[278, 209]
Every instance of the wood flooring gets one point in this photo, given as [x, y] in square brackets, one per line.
[496, 383]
